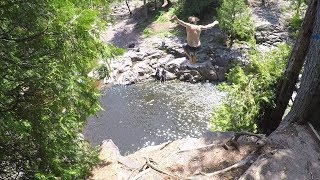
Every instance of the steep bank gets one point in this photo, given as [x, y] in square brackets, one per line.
[289, 154]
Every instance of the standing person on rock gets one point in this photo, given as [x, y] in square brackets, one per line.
[193, 35]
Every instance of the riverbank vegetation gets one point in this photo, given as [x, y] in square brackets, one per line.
[251, 88]
[235, 18]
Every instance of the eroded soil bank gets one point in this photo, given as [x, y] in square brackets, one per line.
[292, 153]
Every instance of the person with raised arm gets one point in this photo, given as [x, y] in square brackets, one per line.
[193, 35]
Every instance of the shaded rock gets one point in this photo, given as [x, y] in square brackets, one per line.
[176, 51]
[209, 74]
[221, 73]
[174, 64]
[155, 55]
[131, 45]
[192, 76]
[142, 68]
[135, 56]
[196, 66]
[183, 164]
[264, 26]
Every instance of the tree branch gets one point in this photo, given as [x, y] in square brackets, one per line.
[11, 3]
[33, 36]
[247, 160]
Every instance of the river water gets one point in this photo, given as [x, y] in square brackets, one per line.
[151, 113]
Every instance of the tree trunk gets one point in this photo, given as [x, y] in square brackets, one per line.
[296, 147]
[145, 8]
[306, 105]
[273, 116]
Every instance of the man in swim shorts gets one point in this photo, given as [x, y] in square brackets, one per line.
[193, 35]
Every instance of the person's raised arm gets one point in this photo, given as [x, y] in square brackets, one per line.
[182, 23]
[209, 26]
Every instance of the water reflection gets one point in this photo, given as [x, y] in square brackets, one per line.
[151, 113]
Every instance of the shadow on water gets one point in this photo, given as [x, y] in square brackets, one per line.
[152, 113]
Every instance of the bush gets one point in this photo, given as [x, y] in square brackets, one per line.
[235, 18]
[295, 24]
[102, 71]
[296, 19]
[250, 90]
[186, 8]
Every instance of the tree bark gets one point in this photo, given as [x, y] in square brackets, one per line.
[273, 116]
[306, 105]
[145, 8]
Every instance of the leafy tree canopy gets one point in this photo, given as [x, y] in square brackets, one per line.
[235, 18]
[251, 90]
[47, 48]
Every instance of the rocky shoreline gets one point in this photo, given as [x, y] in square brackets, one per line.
[140, 63]
[144, 55]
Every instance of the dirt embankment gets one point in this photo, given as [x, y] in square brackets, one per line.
[290, 153]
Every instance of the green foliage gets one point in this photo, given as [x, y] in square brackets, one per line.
[295, 23]
[250, 90]
[148, 32]
[186, 8]
[47, 49]
[235, 18]
[163, 16]
[296, 20]
[102, 71]
[113, 51]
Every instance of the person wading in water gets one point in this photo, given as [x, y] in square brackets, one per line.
[193, 35]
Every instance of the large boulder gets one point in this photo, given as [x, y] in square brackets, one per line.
[177, 51]
[109, 152]
[175, 64]
[135, 56]
[128, 77]
[122, 65]
[142, 68]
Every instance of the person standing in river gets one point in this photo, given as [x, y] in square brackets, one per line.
[193, 35]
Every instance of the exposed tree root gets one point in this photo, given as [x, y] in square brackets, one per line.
[148, 163]
[232, 142]
[151, 166]
[246, 161]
